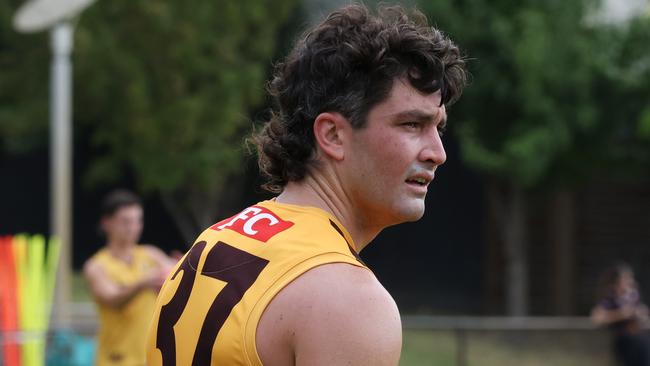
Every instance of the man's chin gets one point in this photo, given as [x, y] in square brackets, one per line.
[411, 214]
[396, 214]
[417, 216]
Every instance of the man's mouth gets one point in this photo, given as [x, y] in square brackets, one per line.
[419, 181]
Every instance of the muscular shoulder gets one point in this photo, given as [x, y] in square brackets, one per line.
[333, 314]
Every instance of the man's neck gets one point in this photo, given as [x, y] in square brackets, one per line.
[121, 250]
[316, 191]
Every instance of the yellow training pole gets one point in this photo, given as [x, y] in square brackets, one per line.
[36, 275]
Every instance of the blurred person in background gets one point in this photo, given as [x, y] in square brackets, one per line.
[351, 149]
[620, 308]
[124, 278]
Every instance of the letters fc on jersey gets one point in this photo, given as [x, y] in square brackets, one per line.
[254, 222]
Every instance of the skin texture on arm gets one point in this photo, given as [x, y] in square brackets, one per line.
[602, 316]
[111, 294]
[335, 314]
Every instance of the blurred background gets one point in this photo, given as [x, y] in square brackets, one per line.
[547, 180]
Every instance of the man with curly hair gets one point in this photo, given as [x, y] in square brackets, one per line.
[351, 148]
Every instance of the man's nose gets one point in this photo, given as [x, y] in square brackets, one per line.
[434, 151]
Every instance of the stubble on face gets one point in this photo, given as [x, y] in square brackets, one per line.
[387, 159]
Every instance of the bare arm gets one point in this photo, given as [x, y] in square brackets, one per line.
[163, 260]
[335, 314]
[603, 316]
[112, 294]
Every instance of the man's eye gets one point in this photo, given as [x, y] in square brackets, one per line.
[411, 124]
[441, 130]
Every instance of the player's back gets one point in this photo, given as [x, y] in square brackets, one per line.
[209, 308]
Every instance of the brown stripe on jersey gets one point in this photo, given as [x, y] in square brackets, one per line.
[354, 252]
[171, 312]
[239, 269]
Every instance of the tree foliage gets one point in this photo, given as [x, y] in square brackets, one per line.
[552, 91]
[167, 88]
[23, 85]
[622, 140]
[163, 89]
[533, 89]
[556, 97]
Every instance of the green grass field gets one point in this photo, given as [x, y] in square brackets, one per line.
[428, 348]
[507, 348]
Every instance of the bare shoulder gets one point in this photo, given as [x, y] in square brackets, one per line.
[158, 255]
[91, 268]
[153, 250]
[332, 314]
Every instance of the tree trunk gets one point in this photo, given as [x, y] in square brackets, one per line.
[561, 234]
[508, 208]
[516, 242]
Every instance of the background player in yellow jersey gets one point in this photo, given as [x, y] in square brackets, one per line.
[124, 279]
[351, 149]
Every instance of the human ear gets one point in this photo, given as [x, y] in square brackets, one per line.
[327, 131]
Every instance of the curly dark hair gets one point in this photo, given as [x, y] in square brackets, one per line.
[347, 64]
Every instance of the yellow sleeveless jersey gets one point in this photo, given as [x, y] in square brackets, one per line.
[122, 332]
[209, 308]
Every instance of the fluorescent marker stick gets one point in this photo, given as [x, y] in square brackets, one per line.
[19, 246]
[8, 301]
[36, 304]
[29, 299]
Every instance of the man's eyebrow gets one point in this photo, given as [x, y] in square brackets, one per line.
[418, 115]
[414, 114]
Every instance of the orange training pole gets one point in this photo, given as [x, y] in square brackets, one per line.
[8, 302]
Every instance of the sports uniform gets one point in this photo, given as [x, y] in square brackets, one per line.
[123, 331]
[209, 308]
